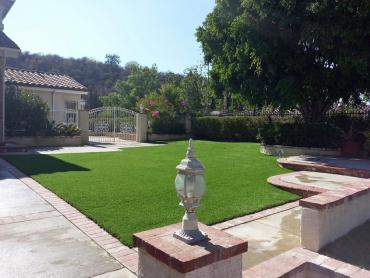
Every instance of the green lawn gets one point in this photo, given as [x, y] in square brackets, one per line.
[133, 190]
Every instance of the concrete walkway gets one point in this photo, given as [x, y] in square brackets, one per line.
[269, 236]
[36, 240]
[92, 148]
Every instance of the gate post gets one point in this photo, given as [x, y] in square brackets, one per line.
[83, 124]
[141, 127]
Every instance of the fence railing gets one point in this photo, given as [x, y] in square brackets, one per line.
[363, 112]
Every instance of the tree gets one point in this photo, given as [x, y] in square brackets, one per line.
[114, 100]
[112, 59]
[304, 54]
[196, 90]
[141, 82]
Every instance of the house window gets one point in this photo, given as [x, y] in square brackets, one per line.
[71, 112]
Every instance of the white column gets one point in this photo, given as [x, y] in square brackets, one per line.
[141, 127]
[83, 124]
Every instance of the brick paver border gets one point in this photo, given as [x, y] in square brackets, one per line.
[327, 168]
[299, 189]
[290, 262]
[128, 257]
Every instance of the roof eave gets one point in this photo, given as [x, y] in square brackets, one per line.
[60, 89]
[10, 52]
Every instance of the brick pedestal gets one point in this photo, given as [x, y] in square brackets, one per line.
[162, 255]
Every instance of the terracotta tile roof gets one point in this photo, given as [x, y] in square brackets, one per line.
[42, 79]
[6, 42]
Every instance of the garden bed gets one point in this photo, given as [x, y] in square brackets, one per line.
[152, 137]
[285, 151]
[46, 141]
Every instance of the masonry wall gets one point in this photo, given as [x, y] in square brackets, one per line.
[320, 227]
[149, 267]
[47, 141]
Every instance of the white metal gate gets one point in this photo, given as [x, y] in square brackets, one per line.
[111, 125]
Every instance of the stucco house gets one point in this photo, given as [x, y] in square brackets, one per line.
[63, 94]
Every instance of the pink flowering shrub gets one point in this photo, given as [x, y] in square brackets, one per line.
[156, 114]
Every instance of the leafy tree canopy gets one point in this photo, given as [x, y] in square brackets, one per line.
[141, 82]
[171, 93]
[304, 54]
[112, 59]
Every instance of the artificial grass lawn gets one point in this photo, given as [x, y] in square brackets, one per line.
[133, 190]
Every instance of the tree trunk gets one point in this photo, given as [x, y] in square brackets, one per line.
[314, 111]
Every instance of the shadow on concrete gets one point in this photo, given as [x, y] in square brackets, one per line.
[353, 248]
[36, 164]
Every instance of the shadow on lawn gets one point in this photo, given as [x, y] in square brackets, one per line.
[42, 164]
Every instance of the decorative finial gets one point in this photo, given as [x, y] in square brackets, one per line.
[190, 151]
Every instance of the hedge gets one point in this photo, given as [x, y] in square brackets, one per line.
[25, 114]
[168, 125]
[315, 135]
[230, 128]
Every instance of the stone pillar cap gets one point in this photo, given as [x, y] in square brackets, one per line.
[183, 257]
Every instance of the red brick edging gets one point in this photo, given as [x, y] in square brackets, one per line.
[299, 189]
[183, 257]
[331, 169]
[320, 198]
[291, 262]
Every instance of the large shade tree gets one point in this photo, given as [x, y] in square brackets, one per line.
[141, 82]
[303, 54]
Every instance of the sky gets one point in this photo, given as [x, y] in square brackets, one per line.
[149, 32]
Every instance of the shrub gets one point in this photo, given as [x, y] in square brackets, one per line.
[232, 128]
[367, 141]
[349, 122]
[167, 125]
[318, 135]
[65, 130]
[25, 114]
